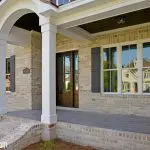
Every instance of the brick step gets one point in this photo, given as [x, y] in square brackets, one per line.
[26, 132]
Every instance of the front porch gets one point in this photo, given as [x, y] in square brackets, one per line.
[108, 131]
[118, 122]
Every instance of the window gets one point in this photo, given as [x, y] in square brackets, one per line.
[7, 74]
[126, 68]
[110, 69]
[129, 66]
[146, 68]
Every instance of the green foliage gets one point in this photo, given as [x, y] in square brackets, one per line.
[49, 145]
[69, 86]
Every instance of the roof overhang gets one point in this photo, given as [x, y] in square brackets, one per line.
[81, 12]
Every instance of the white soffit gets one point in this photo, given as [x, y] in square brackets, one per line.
[76, 33]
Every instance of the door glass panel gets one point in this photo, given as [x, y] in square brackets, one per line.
[67, 75]
[68, 85]
[67, 64]
[76, 74]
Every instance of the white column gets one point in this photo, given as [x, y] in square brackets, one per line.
[49, 73]
[3, 103]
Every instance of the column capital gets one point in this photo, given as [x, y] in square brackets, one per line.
[47, 24]
[49, 27]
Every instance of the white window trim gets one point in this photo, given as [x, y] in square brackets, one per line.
[139, 44]
[102, 69]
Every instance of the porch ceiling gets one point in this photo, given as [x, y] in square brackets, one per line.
[129, 19]
[29, 22]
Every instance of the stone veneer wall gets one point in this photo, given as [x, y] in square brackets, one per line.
[117, 104]
[36, 60]
[28, 86]
[21, 98]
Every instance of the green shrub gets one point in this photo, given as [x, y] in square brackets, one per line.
[49, 145]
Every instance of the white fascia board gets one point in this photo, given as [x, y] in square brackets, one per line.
[43, 7]
[50, 10]
[46, 9]
[97, 13]
[74, 5]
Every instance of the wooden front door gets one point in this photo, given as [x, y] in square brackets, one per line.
[67, 79]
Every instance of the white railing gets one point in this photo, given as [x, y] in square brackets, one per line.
[61, 2]
[57, 2]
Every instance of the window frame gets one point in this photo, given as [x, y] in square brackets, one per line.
[142, 67]
[8, 74]
[119, 46]
[102, 67]
[132, 68]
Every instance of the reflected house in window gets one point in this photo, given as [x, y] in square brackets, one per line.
[146, 76]
[130, 77]
[129, 69]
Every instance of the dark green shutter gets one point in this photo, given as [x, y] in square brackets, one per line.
[12, 73]
[95, 70]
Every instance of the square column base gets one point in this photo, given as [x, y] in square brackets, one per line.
[49, 132]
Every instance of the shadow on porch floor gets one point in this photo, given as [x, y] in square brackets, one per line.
[109, 121]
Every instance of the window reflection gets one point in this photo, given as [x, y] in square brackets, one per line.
[146, 67]
[110, 81]
[110, 69]
[129, 56]
[110, 58]
[129, 69]
[129, 80]
[76, 59]
[67, 65]
[68, 85]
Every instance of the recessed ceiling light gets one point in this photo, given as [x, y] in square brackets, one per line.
[122, 20]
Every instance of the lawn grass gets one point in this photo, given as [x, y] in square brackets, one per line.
[57, 145]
